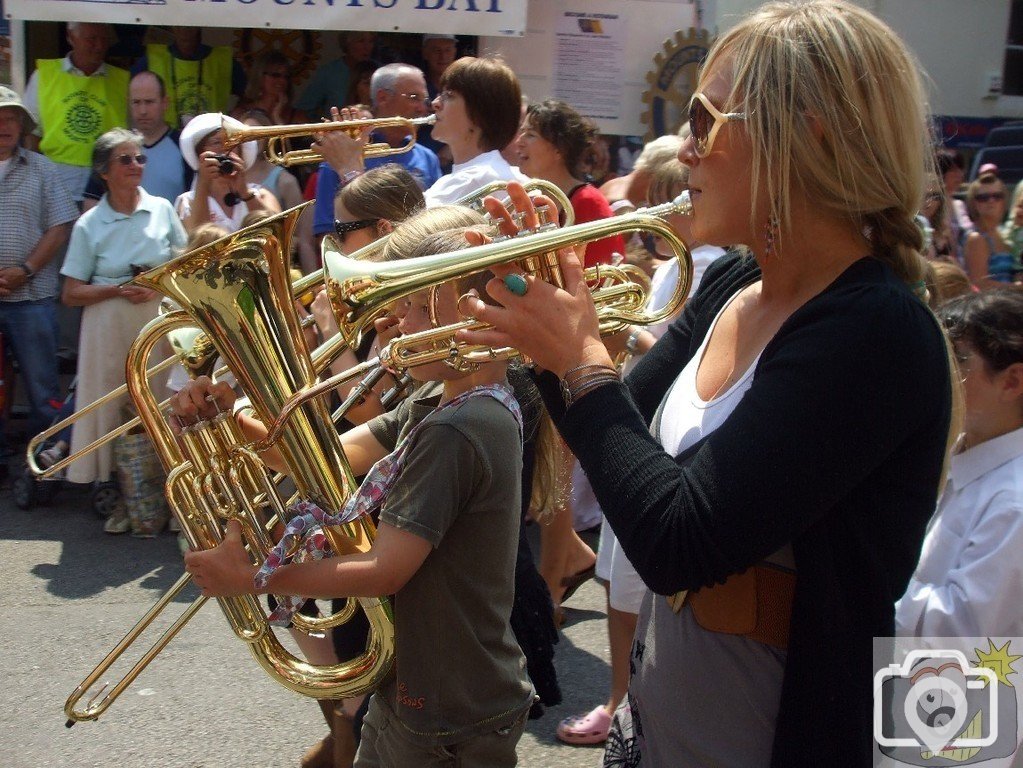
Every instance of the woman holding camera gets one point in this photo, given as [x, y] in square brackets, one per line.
[127, 232]
[220, 192]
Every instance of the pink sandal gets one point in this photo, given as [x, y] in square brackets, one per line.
[590, 728]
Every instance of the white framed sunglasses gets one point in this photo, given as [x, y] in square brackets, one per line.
[704, 121]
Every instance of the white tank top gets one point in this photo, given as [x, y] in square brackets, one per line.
[685, 417]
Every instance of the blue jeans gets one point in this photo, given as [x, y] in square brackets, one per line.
[30, 333]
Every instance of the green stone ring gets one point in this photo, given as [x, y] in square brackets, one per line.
[516, 284]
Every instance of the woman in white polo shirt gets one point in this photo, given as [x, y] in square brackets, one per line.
[127, 232]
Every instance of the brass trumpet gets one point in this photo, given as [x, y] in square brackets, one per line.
[276, 136]
[359, 290]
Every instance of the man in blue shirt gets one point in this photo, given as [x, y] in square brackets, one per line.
[399, 90]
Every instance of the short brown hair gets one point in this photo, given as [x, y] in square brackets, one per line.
[562, 126]
[493, 99]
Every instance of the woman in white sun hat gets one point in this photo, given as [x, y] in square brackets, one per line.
[220, 193]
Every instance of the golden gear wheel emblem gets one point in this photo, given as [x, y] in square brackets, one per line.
[301, 46]
[672, 81]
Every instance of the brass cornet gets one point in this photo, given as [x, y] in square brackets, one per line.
[276, 136]
[359, 290]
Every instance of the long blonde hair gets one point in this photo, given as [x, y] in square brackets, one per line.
[835, 108]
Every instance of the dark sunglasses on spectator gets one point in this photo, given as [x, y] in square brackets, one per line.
[344, 227]
[129, 159]
[987, 197]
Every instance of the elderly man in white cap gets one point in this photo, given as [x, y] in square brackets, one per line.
[220, 193]
[36, 214]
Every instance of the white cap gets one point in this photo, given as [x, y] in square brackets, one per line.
[201, 126]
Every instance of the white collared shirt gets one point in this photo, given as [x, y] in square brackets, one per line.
[969, 581]
[466, 178]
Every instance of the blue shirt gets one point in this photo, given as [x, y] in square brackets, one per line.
[421, 162]
[106, 243]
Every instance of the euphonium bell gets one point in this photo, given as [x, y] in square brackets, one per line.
[237, 292]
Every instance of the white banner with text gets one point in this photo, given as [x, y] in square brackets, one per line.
[496, 18]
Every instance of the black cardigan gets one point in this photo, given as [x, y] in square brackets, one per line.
[837, 447]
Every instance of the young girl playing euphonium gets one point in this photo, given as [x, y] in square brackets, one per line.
[444, 472]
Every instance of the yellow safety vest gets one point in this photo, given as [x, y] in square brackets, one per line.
[193, 87]
[74, 110]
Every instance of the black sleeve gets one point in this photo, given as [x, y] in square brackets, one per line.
[843, 383]
[648, 382]
[94, 189]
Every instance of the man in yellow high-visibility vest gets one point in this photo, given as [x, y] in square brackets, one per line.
[76, 99]
[198, 78]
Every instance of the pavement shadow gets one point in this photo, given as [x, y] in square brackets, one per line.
[91, 561]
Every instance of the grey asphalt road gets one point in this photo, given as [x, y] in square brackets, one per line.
[72, 591]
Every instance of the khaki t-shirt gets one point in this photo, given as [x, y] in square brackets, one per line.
[459, 671]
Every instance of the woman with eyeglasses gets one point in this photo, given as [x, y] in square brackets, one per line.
[770, 466]
[269, 89]
[989, 261]
[478, 111]
[127, 232]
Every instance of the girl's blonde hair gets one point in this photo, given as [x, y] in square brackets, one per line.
[405, 239]
[203, 235]
[668, 181]
[442, 230]
[835, 108]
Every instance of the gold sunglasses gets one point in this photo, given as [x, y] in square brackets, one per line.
[704, 121]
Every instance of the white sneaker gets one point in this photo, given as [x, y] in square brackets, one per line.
[117, 524]
[53, 454]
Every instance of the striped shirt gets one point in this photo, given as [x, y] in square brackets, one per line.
[32, 200]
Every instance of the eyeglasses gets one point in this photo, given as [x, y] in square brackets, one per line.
[129, 159]
[446, 95]
[987, 197]
[344, 227]
[704, 121]
[415, 98]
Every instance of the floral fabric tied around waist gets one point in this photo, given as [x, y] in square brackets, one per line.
[304, 534]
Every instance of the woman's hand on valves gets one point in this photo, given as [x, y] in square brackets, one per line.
[557, 328]
[199, 400]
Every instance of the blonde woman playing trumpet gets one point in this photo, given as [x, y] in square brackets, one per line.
[770, 466]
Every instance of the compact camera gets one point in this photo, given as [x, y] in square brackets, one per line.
[225, 165]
